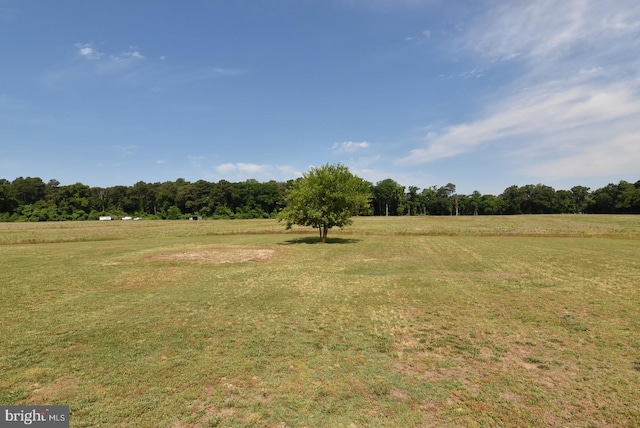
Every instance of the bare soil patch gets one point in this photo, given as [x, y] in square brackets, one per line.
[217, 255]
[63, 388]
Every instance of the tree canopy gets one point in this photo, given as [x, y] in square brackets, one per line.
[325, 197]
[32, 199]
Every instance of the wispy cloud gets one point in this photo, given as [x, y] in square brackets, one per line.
[243, 170]
[289, 172]
[542, 120]
[618, 156]
[419, 37]
[350, 146]
[577, 93]
[132, 67]
[475, 72]
[86, 51]
[125, 151]
[125, 58]
[545, 30]
[91, 62]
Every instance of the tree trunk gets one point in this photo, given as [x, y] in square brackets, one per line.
[323, 233]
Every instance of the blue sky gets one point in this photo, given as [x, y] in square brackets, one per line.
[483, 94]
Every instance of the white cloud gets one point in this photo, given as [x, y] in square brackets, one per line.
[554, 37]
[128, 64]
[289, 171]
[573, 108]
[133, 54]
[547, 28]
[106, 63]
[419, 37]
[226, 168]
[619, 157]
[542, 121]
[350, 146]
[475, 72]
[85, 50]
[117, 63]
[252, 168]
[243, 170]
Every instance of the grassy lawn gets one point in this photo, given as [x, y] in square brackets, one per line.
[474, 321]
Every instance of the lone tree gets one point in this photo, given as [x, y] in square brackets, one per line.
[325, 197]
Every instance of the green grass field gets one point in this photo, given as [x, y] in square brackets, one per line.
[471, 321]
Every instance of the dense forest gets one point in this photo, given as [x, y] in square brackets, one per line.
[31, 199]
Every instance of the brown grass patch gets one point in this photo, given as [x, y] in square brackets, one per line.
[59, 390]
[217, 255]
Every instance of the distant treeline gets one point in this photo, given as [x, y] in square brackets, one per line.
[31, 199]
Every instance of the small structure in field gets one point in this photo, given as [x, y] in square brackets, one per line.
[105, 218]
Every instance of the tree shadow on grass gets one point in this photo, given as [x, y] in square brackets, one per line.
[316, 240]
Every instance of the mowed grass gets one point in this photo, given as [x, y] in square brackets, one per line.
[475, 321]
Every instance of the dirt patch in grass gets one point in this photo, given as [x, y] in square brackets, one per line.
[61, 389]
[217, 255]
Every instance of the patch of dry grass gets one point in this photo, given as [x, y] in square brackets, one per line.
[216, 255]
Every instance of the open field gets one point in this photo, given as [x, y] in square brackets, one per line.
[470, 321]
